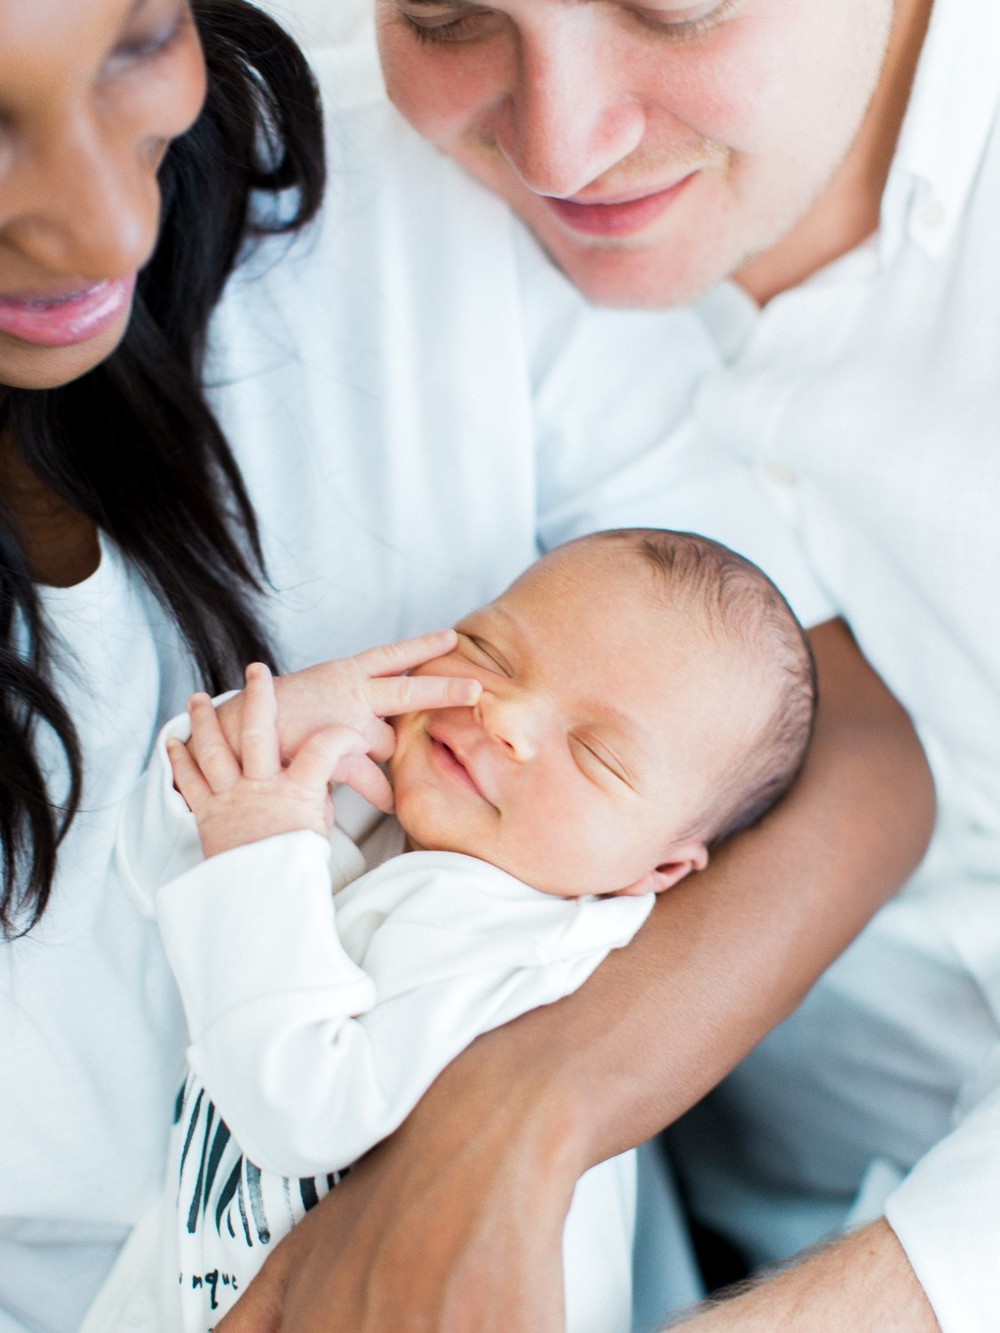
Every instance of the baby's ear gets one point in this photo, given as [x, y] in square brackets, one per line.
[683, 858]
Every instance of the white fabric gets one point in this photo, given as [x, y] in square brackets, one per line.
[344, 28]
[415, 398]
[90, 1029]
[316, 1037]
[340, 37]
[869, 400]
[316, 1022]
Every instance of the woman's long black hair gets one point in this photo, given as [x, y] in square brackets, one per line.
[133, 444]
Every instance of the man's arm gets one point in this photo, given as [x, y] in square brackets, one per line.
[863, 1281]
[456, 1222]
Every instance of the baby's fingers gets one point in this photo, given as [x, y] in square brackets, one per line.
[317, 762]
[188, 777]
[209, 747]
[368, 780]
[392, 659]
[259, 748]
[391, 695]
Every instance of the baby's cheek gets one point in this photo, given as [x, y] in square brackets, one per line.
[580, 850]
[403, 767]
[552, 839]
[405, 727]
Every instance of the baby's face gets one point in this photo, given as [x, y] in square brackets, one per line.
[604, 721]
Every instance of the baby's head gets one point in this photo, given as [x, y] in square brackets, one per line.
[645, 695]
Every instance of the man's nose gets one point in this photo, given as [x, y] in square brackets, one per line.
[83, 205]
[511, 722]
[565, 121]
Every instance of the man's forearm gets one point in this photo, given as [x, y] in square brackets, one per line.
[863, 1282]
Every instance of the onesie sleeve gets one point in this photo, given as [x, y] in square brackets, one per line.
[157, 833]
[252, 941]
[313, 1056]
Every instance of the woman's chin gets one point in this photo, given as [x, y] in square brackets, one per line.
[25, 365]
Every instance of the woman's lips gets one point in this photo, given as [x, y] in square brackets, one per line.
[624, 218]
[63, 318]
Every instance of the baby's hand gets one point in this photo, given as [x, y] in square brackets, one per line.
[358, 693]
[241, 800]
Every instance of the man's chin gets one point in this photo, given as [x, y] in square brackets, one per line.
[632, 277]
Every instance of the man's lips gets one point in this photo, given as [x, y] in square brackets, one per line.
[623, 217]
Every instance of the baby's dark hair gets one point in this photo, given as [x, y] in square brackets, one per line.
[743, 609]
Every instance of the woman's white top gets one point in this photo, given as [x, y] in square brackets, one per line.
[416, 400]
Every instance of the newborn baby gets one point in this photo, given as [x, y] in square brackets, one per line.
[643, 695]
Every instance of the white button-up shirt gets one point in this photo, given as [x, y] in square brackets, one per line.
[869, 400]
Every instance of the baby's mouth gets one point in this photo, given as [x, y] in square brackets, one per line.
[450, 762]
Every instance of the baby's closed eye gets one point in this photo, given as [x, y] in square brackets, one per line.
[483, 654]
[596, 761]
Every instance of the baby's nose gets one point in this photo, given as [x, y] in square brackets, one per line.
[511, 722]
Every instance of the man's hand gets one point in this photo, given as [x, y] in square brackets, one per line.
[419, 1236]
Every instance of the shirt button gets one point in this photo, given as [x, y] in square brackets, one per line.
[782, 475]
[933, 214]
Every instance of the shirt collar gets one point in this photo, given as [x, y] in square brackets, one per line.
[952, 109]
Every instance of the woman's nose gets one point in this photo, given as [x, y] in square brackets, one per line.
[510, 721]
[567, 118]
[82, 205]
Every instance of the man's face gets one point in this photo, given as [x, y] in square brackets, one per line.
[654, 146]
[603, 726]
